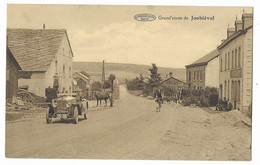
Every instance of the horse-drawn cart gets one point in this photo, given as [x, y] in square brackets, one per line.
[32, 99]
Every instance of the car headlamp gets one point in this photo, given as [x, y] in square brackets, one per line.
[54, 103]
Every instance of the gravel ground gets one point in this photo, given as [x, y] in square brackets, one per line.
[133, 130]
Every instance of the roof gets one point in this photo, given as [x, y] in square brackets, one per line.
[82, 76]
[172, 78]
[205, 59]
[9, 53]
[35, 49]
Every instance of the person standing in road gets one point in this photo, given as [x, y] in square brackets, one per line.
[111, 99]
[158, 99]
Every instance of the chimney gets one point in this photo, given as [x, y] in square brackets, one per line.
[230, 31]
[170, 74]
[238, 25]
[43, 26]
[247, 20]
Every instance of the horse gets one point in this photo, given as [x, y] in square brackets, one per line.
[101, 96]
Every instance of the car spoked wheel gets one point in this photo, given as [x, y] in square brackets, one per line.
[76, 115]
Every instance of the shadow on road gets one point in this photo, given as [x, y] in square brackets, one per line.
[65, 121]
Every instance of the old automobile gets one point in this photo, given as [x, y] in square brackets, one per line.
[67, 105]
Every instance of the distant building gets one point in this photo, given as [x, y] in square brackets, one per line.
[203, 72]
[81, 83]
[12, 68]
[235, 78]
[173, 82]
[45, 56]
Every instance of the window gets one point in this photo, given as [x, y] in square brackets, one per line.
[228, 91]
[228, 60]
[225, 89]
[189, 76]
[232, 59]
[63, 71]
[56, 66]
[239, 57]
[221, 91]
[238, 91]
[235, 58]
[221, 65]
[200, 74]
[70, 72]
[194, 75]
[225, 61]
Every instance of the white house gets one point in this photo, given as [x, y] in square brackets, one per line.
[45, 56]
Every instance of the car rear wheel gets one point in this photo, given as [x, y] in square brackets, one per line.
[76, 115]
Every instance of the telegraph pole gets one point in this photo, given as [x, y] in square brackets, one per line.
[103, 74]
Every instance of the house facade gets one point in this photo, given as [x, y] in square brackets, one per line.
[236, 64]
[45, 56]
[203, 72]
[12, 68]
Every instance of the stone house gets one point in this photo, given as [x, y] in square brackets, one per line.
[203, 72]
[45, 56]
[173, 82]
[236, 60]
[12, 68]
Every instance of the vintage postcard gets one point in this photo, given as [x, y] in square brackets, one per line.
[129, 82]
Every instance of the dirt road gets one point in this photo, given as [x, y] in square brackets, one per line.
[133, 130]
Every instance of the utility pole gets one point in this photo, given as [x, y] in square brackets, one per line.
[103, 74]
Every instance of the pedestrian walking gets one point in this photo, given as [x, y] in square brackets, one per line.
[158, 99]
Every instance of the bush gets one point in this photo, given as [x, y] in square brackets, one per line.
[202, 98]
[213, 100]
[169, 91]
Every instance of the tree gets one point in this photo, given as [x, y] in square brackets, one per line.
[96, 86]
[155, 77]
[112, 77]
[107, 84]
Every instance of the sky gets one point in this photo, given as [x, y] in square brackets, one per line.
[112, 34]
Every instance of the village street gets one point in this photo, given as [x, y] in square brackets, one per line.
[133, 130]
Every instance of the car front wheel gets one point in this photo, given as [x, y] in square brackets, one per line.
[76, 115]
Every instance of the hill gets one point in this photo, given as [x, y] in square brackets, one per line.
[123, 71]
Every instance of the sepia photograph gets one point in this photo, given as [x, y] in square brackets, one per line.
[129, 82]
